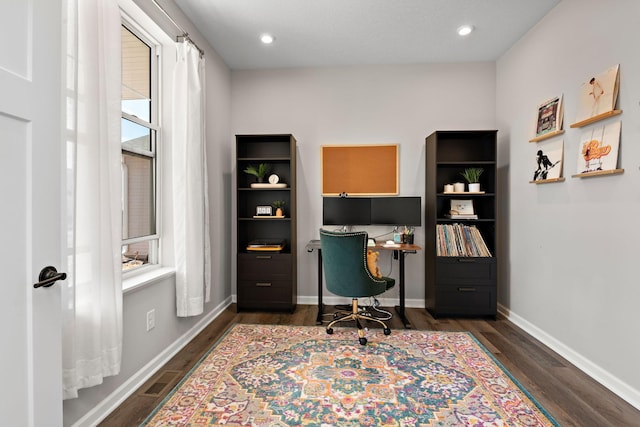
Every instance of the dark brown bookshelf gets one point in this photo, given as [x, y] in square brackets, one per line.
[460, 285]
[266, 279]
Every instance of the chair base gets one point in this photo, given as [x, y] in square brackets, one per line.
[357, 316]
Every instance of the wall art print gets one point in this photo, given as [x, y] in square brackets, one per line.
[548, 160]
[549, 116]
[598, 150]
[598, 95]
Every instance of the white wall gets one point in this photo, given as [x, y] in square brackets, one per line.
[572, 246]
[362, 105]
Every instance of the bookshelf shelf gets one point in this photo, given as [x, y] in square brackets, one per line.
[460, 280]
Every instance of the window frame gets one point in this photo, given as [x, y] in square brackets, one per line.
[155, 135]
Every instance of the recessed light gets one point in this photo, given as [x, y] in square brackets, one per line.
[465, 30]
[267, 38]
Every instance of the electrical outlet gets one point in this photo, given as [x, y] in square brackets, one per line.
[151, 319]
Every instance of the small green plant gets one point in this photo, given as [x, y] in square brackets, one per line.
[258, 171]
[278, 204]
[472, 175]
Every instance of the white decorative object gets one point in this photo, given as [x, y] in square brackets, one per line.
[273, 179]
[458, 187]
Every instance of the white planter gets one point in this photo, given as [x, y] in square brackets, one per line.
[474, 188]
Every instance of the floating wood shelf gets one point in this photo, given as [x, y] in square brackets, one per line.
[596, 118]
[546, 181]
[598, 173]
[547, 136]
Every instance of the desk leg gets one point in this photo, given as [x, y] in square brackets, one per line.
[320, 305]
[400, 309]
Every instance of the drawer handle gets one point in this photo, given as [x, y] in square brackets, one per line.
[263, 257]
[468, 259]
[263, 284]
[466, 289]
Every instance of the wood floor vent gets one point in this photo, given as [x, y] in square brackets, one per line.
[162, 382]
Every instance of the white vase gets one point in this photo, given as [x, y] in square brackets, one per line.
[474, 188]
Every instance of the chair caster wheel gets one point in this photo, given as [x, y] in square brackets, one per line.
[330, 331]
[363, 341]
[335, 315]
[387, 331]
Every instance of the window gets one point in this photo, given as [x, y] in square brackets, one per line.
[139, 143]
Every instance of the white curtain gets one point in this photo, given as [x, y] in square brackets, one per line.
[189, 177]
[92, 296]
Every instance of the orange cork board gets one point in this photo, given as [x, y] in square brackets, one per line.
[359, 169]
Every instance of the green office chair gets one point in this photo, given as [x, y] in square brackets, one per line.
[344, 258]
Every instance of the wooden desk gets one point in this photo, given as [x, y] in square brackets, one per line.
[399, 253]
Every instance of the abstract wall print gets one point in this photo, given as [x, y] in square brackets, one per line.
[598, 95]
[549, 116]
[548, 160]
[598, 150]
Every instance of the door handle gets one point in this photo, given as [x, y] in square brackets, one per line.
[48, 276]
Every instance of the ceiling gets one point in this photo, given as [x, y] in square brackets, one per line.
[316, 33]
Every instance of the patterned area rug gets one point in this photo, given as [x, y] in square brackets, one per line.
[266, 375]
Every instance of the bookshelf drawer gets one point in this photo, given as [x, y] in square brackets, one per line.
[465, 271]
[264, 294]
[466, 300]
[264, 267]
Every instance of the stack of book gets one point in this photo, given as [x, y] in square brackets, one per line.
[268, 245]
[460, 240]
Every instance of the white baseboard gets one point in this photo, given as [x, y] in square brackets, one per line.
[613, 383]
[115, 399]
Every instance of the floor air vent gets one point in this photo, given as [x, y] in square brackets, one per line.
[161, 383]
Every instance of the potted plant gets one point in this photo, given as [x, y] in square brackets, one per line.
[279, 205]
[258, 171]
[472, 176]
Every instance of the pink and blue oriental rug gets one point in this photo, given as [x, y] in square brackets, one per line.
[268, 375]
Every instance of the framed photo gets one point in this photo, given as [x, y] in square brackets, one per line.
[598, 95]
[264, 211]
[548, 160]
[462, 207]
[598, 150]
[549, 116]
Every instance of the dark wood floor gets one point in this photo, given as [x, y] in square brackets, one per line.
[570, 396]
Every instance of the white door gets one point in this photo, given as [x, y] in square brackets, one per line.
[31, 165]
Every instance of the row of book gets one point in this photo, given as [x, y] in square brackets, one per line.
[460, 240]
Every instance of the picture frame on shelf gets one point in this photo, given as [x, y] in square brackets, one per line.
[548, 161]
[462, 207]
[599, 94]
[264, 210]
[598, 149]
[550, 116]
